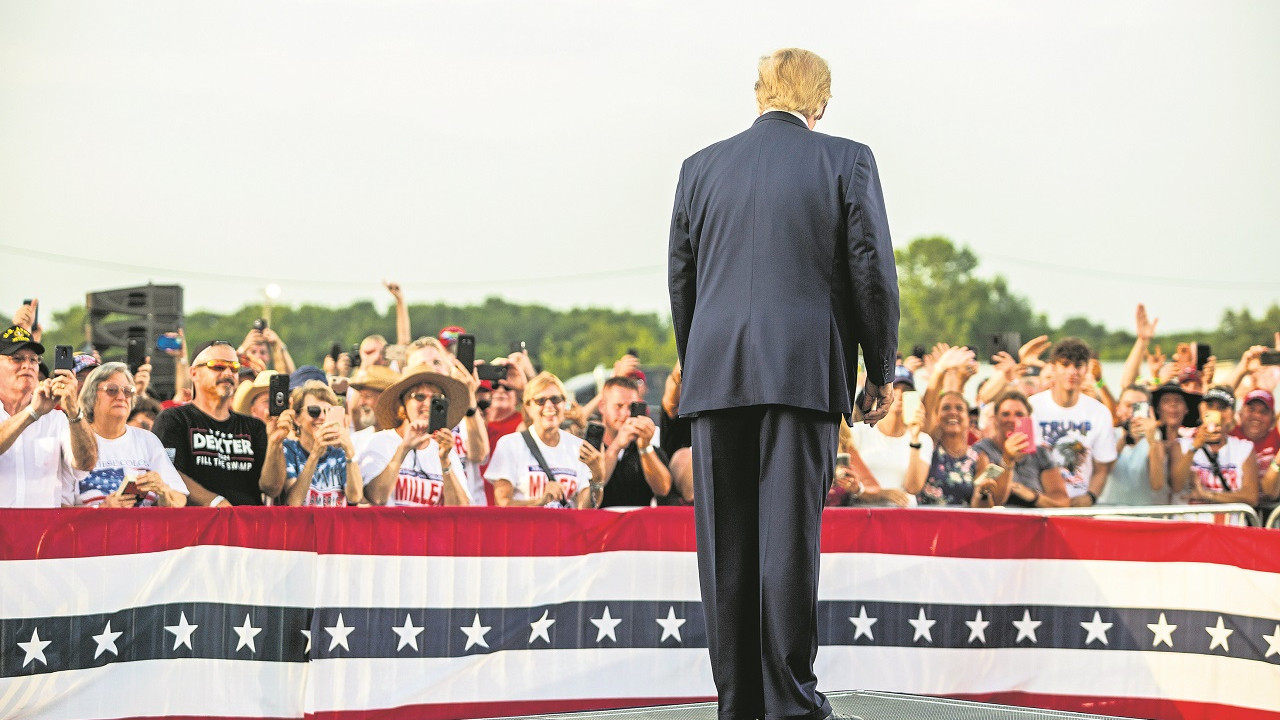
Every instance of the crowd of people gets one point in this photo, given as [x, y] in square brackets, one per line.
[1054, 432]
[1045, 429]
[349, 430]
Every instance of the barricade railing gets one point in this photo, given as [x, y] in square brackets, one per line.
[1225, 514]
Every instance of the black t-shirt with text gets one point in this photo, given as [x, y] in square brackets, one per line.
[225, 457]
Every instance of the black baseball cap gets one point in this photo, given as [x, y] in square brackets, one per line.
[17, 338]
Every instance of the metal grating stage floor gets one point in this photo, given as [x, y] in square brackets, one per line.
[862, 704]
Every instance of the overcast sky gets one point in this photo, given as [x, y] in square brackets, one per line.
[1097, 154]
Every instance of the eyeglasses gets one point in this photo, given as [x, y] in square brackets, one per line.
[500, 386]
[221, 366]
[419, 397]
[114, 390]
[21, 360]
[556, 400]
[314, 411]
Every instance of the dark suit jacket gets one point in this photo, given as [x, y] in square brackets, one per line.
[780, 267]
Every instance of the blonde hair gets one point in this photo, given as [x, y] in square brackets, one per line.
[795, 80]
[541, 382]
[311, 388]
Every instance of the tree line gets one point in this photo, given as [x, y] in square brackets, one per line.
[942, 299]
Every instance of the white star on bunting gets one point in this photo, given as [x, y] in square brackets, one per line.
[605, 626]
[1026, 627]
[539, 628]
[247, 633]
[182, 632]
[34, 648]
[107, 641]
[1273, 643]
[1096, 629]
[338, 634]
[307, 634]
[475, 633]
[978, 628]
[1219, 633]
[1163, 632]
[923, 627]
[862, 624]
[408, 634]
[671, 625]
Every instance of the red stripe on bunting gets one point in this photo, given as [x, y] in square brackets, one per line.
[541, 532]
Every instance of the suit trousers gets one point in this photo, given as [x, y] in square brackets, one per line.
[761, 476]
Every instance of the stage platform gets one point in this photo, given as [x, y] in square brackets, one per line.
[862, 704]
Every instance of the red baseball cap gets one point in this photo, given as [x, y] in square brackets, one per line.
[448, 336]
[1262, 396]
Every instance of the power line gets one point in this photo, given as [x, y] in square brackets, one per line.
[1120, 275]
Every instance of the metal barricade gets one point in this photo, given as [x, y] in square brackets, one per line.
[1227, 514]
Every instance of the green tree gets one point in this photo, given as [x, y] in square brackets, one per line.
[943, 300]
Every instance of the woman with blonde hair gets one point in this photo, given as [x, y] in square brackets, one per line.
[320, 467]
[545, 465]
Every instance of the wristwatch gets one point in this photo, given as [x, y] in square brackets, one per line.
[646, 450]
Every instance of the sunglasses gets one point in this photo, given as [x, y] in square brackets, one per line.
[553, 399]
[114, 390]
[221, 366]
[419, 397]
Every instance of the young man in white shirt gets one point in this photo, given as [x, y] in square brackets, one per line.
[1075, 427]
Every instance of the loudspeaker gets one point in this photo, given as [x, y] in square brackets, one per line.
[117, 316]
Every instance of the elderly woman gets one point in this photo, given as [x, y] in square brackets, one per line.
[516, 471]
[133, 469]
[319, 466]
[410, 465]
[956, 469]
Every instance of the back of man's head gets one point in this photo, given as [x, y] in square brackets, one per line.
[795, 80]
[1074, 351]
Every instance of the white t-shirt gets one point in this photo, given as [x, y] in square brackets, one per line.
[361, 438]
[513, 462]
[420, 481]
[1077, 437]
[38, 470]
[1231, 457]
[132, 454]
[474, 481]
[887, 457]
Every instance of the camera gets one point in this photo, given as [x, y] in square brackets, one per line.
[260, 324]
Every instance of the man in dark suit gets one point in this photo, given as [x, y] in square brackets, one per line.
[780, 267]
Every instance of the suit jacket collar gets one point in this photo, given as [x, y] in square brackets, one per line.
[781, 115]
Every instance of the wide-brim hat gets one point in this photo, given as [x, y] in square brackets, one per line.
[247, 392]
[374, 377]
[1192, 418]
[389, 402]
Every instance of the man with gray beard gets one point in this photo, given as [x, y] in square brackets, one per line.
[219, 453]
